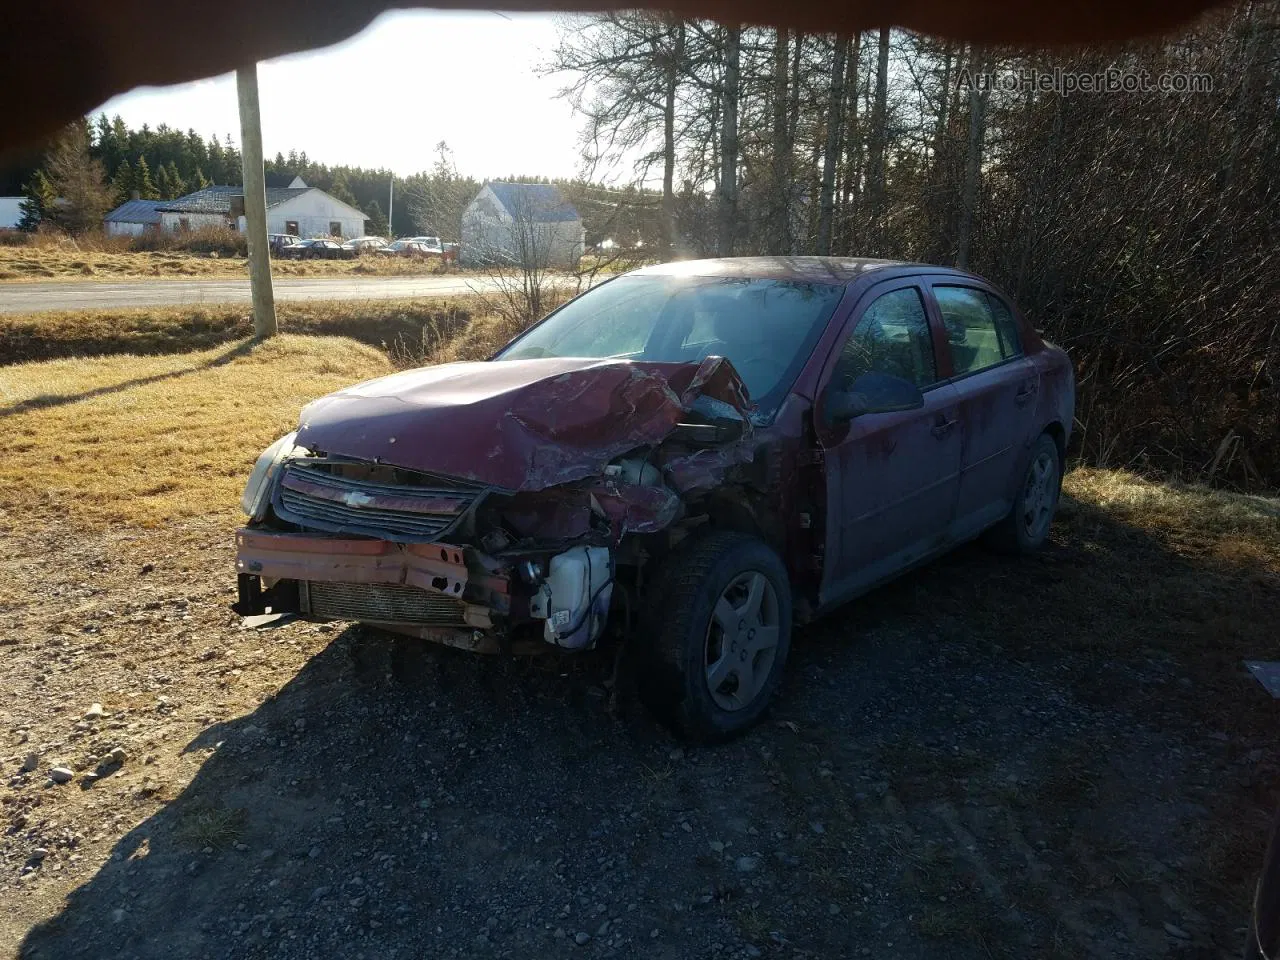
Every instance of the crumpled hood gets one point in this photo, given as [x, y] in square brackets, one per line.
[515, 424]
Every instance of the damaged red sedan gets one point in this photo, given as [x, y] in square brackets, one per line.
[694, 456]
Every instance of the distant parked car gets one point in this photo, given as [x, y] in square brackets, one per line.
[320, 248]
[361, 245]
[408, 247]
[432, 247]
[432, 244]
[278, 241]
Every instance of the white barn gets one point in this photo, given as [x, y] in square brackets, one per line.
[518, 222]
[10, 212]
[297, 209]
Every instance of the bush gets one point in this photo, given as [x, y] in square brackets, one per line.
[222, 241]
[15, 238]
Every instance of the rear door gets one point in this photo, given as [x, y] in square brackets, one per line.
[892, 478]
[996, 387]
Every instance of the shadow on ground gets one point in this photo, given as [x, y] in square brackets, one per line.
[1052, 757]
[61, 399]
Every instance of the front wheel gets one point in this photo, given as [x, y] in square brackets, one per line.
[1026, 528]
[718, 637]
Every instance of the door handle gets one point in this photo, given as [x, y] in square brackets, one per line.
[1025, 393]
[942, 427]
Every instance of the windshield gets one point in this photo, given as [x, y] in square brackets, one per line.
[766, 328]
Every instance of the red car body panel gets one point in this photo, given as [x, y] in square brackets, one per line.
[517, 425]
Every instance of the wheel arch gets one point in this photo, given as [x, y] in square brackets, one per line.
[736, 510]
[1058, 432]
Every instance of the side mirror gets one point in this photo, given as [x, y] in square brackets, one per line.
[872, 392]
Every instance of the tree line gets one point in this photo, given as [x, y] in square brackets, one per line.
[96, 164]
[1136, 227]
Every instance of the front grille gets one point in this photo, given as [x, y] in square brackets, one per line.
[326, 497]
[382, 603]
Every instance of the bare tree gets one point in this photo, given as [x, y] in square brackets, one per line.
[782, 147]
[673, 68]
[730, 91]
[876, 148]
[78, 182]
[522, 250]
[831, 149]
[978, 94]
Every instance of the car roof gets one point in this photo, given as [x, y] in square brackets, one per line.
[833, 270]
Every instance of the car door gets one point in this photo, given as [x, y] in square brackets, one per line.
[996, 387]
[892, 478]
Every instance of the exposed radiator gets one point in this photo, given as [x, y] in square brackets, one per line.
[381, 603]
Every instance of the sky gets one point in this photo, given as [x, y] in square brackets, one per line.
[387, 96]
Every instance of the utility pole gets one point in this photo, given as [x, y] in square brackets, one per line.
[255, 203]
[391, 210]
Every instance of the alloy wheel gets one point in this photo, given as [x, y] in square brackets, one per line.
[1039, 495]
[742, 640]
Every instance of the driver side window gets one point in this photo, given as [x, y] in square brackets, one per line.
[892, 337]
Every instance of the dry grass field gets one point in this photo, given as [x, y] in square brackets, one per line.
[1059, 757]
[69, 261]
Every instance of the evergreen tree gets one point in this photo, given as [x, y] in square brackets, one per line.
[164, 186]
[233, 171]
[217, 161]
[39, 203]
[176, 183]
[122, 183]
[377, 222]
[142, 183]
[198, 181]
[78, 182]
[340, 191]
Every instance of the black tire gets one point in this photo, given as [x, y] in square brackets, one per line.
[678, 635]
[1016, 534]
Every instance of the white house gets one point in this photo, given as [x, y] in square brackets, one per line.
[10, 212]
[521, 223]
[297, 209]
[132, 218]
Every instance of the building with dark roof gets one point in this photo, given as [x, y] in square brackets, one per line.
[132, 218]
[521, 223]
[297, 209]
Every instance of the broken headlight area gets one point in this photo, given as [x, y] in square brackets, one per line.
[257, 491]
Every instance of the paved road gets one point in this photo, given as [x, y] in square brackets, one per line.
[95, 295]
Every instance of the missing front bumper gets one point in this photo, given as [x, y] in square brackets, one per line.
[454, 595]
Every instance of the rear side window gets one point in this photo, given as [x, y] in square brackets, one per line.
[980, 330]
[1006, 327]
[891, 337]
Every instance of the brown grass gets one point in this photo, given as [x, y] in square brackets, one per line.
[168, 422]
[114, 259]
[141, 441]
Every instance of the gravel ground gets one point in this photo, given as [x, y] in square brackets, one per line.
[928, 784]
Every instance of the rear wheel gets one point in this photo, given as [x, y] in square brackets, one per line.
[719, 637]
[1026, 528]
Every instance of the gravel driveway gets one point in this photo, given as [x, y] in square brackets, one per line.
[943, 775]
